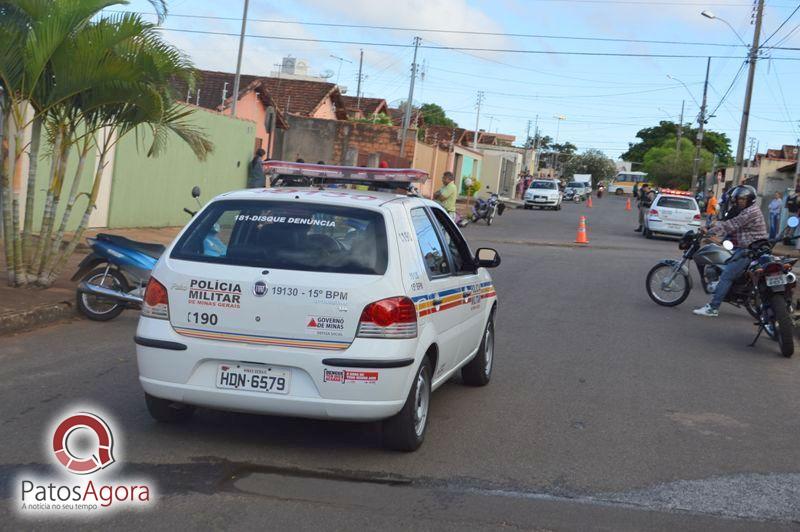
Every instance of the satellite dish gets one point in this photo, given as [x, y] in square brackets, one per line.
[327, 74]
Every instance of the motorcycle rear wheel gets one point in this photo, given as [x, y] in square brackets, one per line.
[784, 329]
[655, 278]
[99, 308]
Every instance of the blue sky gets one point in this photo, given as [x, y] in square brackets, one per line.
[605, 99]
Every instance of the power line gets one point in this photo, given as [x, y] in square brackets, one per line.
[728, 90]
[473, 49]
[781, 26]
[454, 32]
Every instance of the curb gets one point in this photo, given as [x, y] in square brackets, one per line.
[36, 317]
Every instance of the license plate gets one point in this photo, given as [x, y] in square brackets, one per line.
[539, 199]
[776, 280]
[253, 378]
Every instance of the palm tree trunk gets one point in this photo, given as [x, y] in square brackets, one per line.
[52, 275]
[33, 157]
[72, 198]
[20, 279]
[6, 170]
[48, 219]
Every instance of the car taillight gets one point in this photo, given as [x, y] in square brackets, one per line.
[773, 268]
[394, 317]
[698, 217]
[156, 301]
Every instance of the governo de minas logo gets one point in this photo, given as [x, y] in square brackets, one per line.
[82, 446]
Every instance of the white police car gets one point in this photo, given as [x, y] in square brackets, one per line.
[317, 302]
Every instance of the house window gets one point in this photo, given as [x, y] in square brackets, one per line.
[259, 143]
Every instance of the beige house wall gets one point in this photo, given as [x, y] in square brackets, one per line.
[433, 160]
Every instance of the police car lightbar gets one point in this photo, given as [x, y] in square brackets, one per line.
[284, 172]
[675, 192]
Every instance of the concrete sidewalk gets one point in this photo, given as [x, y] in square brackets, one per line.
[27, 308]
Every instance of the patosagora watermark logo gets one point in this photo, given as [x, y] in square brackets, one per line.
[81, 446]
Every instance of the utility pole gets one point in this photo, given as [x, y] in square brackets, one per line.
[358, 88]
[407, 114]
[680, 128]
[797, 162]
[701, 120]
[536, 146]
[239, 60]
[748, 95]
[477, 119]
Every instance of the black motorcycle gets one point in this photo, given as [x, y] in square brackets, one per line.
[764, 289]
[486, 209]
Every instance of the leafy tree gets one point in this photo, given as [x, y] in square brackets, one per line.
[90, 79]
[714, 142]
[592, 162]
[434, 115]
[668, 168]
[379, 118]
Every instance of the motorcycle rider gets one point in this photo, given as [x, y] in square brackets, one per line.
[744, 228]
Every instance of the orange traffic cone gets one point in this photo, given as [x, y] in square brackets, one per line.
[628, 205]
[589, 202]
[581, 237]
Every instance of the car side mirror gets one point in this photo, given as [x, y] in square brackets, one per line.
[487, 258]
[195, 191]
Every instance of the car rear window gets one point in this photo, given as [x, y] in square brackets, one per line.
[575, 184]
[671, 202]
[287, 235]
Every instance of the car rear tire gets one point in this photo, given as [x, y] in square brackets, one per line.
[405, 431]
[647, 233]
[98, 308]
[165, 411]
[478, 372]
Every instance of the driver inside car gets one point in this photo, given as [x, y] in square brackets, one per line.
[743, 228]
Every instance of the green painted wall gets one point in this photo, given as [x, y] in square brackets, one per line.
[152, 192]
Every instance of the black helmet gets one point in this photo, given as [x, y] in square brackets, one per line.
[743, 191]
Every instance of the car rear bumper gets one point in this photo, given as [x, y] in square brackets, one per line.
[668, 228]
[364, 391]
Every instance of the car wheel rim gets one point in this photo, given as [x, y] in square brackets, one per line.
[99, 305]
[421, 401]
[489, 350]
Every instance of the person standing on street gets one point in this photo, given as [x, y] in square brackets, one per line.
[635, 191]
[646, 197]
[711, 207]
[446, 196]
[255, 171]
[775, 208]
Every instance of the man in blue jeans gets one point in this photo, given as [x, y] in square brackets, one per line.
[743, 229]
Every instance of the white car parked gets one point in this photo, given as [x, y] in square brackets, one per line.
[543, 193]
[672, 213]
[317, 303]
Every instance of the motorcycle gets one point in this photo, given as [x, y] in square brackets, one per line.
[600, 191]
[487, 209]
[113, 277]
[764, 289]
[569, 195]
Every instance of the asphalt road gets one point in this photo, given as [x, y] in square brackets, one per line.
[605, 411]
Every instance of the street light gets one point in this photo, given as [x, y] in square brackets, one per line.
[709, 15]
[558, 128]
[673, 78]
[752, 57]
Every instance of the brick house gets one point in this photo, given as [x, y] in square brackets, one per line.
[358, 108]
[265, 100]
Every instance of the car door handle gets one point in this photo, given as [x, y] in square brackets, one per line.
[437, 302]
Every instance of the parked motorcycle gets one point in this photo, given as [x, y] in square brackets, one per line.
[113, 277]
[569, 194]
[764, 289]
[487, 209]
